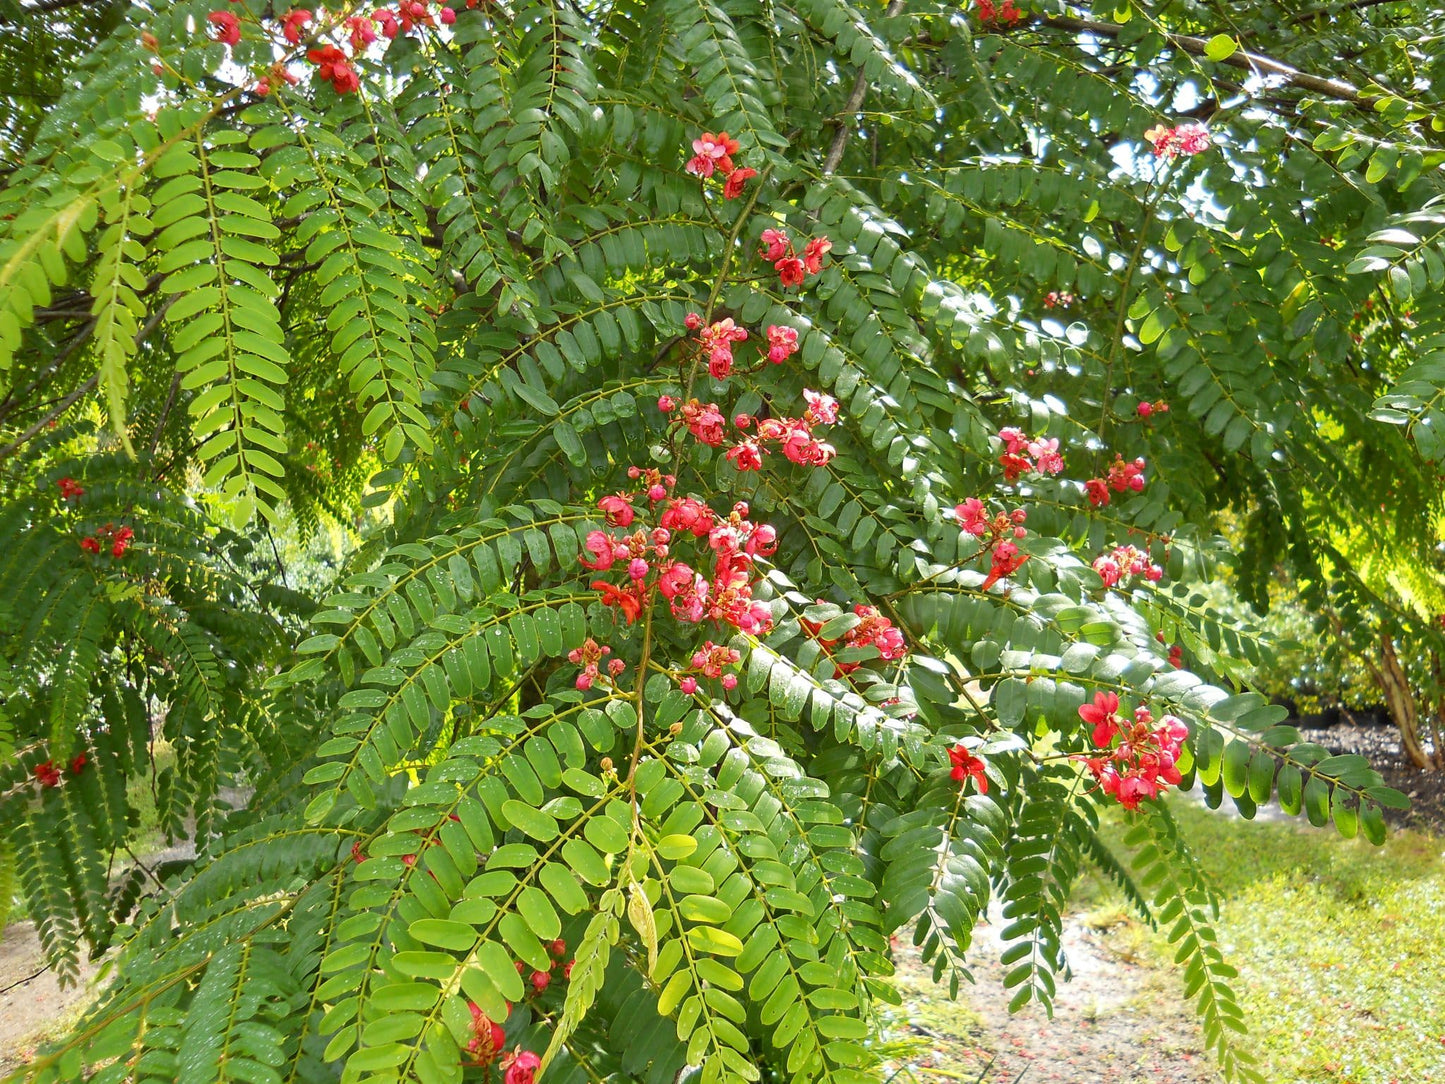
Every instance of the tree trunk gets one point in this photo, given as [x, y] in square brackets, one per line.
[1396, 688]
[1437, 724]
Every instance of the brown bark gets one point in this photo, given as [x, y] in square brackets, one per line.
[1390, 676]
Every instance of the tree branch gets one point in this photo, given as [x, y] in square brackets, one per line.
[851, 106]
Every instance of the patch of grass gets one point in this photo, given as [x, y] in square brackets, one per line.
[1338, 945]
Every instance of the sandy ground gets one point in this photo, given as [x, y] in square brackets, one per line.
[33, 1007]
[1119, 1020]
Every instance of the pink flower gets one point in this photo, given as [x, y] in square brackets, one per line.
[599, 544]
[822, 408]
[733, 187]
[386, 19]
[688, 685]
[972, 516]
[711, 154]
[362, 31]
[692, 321]
[666, 403]
[1145, 409]
[782, 343]
[1108, 570]
[228, 27]
[447, 16]
[1046, 456]
[617, 507]
[775, 245]
[638, 568]
[746, 455]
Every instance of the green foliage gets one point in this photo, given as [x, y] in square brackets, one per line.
[437, 314]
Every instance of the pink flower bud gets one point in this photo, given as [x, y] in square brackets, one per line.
[666, 403]
[729, 681]
[693, 321]
[657, 492]
[638, 568]
[584, 680]
[742, 421]
[1145, 409]
[688, 685]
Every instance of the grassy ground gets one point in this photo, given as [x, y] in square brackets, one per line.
[1338, 945]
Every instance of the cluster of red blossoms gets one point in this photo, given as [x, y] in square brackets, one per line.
[997, 531]
[589, 656]
[734, 541]
[1125, 562]
[712, 155]
[1147, 408]
[1186, 139]
[1144, 761]
[1122, 476]
[539, 979]
[1003, 15]
[873, 630]
[777, 249]
[966, 766]
[48, 775]
[332, 63]
[1024, 456]
[117, 540]
[710, 660]
[70, 489]
[794, 436]
[1058, 299]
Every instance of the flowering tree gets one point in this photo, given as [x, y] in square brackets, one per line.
[779, 440]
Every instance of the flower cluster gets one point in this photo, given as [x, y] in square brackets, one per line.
[1176, 656]
[872, 630]
[1122, 476]
[1144, 761]
[710, 660]
[792, 268]
[997, 531]
[966, 766]
[717, 341]
[1146, 408]
[108, 537]
[1024, 456]
[733, 542]
[794, 436]
[538, 979]
[332, 63]
[1058, 299]
[1186, 139]
[48, 775]
[713, 155]
[70, 489]
[782, 343]
[589, 656]
[1003, 15]
[1125, 562]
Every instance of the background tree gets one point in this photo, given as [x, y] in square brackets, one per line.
[470, 281]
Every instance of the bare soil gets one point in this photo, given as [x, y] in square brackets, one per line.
[1119, 1020]
[1380, 743]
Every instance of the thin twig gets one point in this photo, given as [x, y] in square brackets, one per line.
[852, 105]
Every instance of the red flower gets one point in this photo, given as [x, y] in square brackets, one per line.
[386, 19]
[1097, 491]
[90, 545]
[822, 408]
[1103, 715]
[967, 766]
[1006, 561]
[712, 154]
[47, 774]
[122, 540]
[790, 271]
[228, 27]
[487, 1036]
[356, 852]
[331, 67]
[521, 1066]
[363, 31]
[628, 600]
[70, 489]
[77, 764]
[540, 981]
[746, 455]
[292, 22]
[814, 252]
[733, 187]
[558, 948]
[567, 970]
